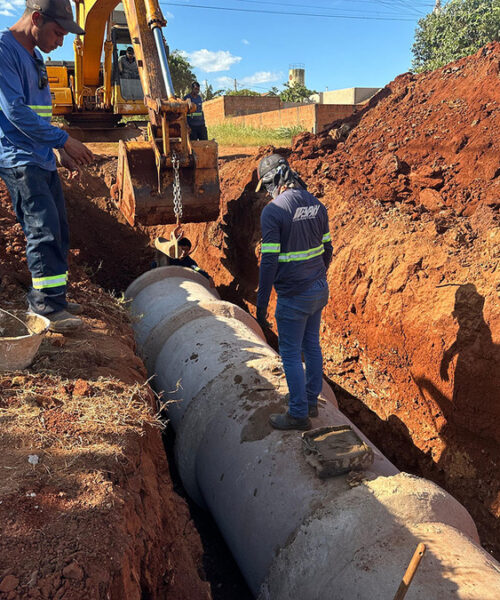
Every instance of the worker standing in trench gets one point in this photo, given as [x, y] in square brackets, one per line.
[296, 253]
[27, 161]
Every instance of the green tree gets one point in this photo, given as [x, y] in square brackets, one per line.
[274, 91]
[295, 92]
[243, 92]
[209, 92]
[458, 29]
[181, 73]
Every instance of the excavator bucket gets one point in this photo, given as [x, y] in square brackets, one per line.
[145, 200]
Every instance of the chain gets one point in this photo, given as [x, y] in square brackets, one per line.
[177, 188]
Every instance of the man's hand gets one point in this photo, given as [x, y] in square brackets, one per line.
[78, 152]
[262, 316]
[68, 163]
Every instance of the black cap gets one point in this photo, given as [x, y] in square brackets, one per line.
[58, 10]
[268, 164]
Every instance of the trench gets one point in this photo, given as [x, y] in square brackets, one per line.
[115, 255]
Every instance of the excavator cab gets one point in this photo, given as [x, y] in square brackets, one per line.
[127, 93]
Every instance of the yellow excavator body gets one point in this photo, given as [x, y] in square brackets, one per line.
[167, 178]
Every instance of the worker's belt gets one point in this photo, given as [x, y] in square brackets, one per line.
[41, 110]
[197, 114]
[42, 283]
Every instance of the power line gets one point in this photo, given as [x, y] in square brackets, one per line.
[289, 13]
[393, 9]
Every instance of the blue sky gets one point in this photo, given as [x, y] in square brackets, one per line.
[348, 43]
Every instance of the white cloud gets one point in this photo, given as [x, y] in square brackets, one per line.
[210, 61]
[246, 42]
[169, 15]
[260, 77]
[225, 82]
[12, 7]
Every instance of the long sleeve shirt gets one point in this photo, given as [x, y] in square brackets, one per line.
[188, 262]
[296, 244]
[26, 135]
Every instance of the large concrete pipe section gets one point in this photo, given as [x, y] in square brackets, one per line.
[292, 534]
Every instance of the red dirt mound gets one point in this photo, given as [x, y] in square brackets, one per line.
[412, 185]
[87, 507]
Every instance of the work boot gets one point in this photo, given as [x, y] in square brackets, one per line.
[313, 411]
[286, 421]
[62, 321]
[74, 308]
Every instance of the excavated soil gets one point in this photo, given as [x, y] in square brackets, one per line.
[87, 505]
[411, 338]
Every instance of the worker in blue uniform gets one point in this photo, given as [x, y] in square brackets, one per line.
[296, 253]
[27, 160]
[196, 120]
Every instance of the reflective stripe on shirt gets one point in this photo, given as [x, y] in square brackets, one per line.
[302, 255]
[327, 238]
[270, 248]
[42, 110]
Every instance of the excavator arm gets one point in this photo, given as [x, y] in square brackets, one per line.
[166, 178]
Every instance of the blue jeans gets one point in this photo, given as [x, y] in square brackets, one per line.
[38, 202]
[298, 318]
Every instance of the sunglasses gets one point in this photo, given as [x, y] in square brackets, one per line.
[43, 78]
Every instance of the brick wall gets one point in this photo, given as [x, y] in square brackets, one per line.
[214, 111]
[312, 117]
[269, 112]
[327, 113]
[218, 109]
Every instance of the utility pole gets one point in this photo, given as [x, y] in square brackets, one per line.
[235, 85]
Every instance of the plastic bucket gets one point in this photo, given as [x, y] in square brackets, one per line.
[18, 345]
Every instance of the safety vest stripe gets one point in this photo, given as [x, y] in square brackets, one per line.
[40, 283]
[196, 114]
[270, 248]
[327, 237]
[302, 255]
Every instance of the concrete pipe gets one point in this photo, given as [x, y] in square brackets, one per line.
[292, 534]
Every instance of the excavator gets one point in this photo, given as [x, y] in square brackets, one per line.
[167, 178]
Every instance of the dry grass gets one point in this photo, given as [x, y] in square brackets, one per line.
[64, 414]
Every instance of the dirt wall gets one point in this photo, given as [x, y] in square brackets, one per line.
[412, 329]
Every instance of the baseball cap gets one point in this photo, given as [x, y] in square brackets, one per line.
[267, 166]
[58, 10]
